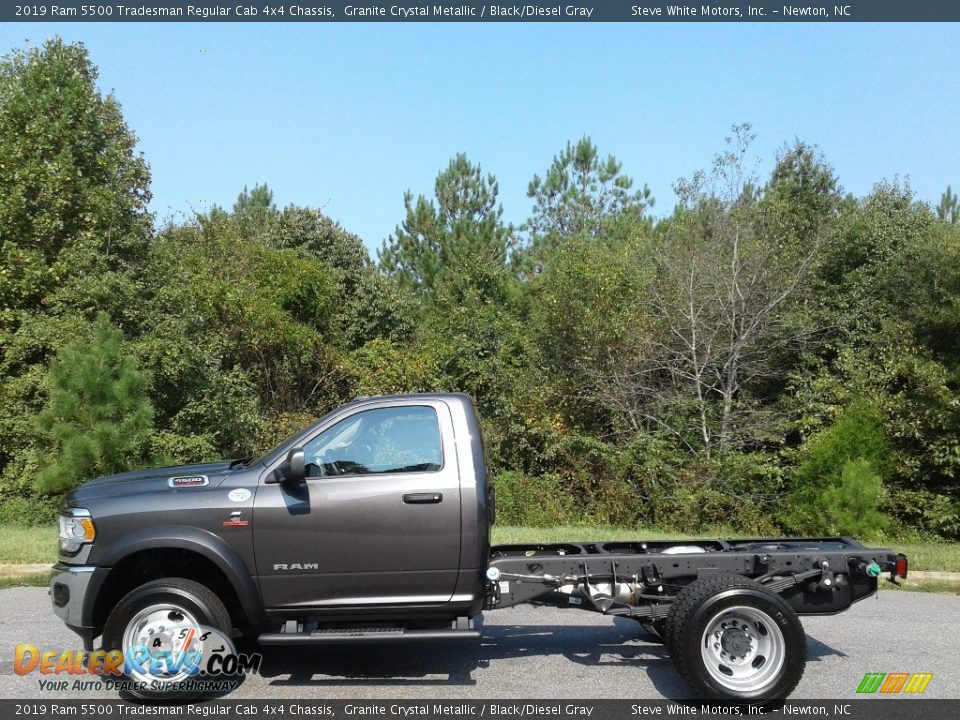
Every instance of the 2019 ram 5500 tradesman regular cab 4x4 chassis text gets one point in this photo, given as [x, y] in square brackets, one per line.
[373, 525]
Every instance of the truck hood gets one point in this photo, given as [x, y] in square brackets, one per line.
[148, 481]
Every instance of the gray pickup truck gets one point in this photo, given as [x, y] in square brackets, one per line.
[373, 525]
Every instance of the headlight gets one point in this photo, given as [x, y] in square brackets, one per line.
[76, 528]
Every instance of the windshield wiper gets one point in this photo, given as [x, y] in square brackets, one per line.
[241, 461]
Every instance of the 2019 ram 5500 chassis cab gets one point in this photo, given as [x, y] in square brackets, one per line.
[373, 525]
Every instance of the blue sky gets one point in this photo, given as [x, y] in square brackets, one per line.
[347, 117]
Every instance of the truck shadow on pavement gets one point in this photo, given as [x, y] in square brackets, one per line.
[622, 643]
[453, 663]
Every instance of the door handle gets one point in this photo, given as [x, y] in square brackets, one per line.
[423, 498]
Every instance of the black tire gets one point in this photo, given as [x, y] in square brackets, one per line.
[758, 650]
[194, 599]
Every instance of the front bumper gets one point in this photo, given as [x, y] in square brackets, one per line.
[69, 589]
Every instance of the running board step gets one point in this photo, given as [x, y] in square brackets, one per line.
[343, 636]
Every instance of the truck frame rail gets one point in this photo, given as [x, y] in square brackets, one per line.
[640, 579]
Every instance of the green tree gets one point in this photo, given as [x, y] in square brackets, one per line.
[591, 322]
[802, 197]
[460, 226]
[838, 489]
[249, 321]
[258, 199]
[240, 330]
[887, 290]
[725, 278]
[949, 208]
[370, 306]
[451, 252]
[98, 417]
[74, 192]
[73, 225]
[582, 194]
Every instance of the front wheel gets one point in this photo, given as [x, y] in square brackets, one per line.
[165, 628]
[731, 639]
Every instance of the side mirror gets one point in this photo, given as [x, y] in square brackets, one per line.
[294, 468]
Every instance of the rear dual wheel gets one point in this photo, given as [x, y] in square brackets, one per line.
[732, 639]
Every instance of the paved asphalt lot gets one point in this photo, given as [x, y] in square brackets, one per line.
[547, 653]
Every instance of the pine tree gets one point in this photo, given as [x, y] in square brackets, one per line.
[949, 208]
[459, 231]
[98, 417]
[260, 198]
[581, 194]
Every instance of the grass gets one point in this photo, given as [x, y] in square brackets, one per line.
[944, 587]
[928, 555]
[28, 545]
[31, 580]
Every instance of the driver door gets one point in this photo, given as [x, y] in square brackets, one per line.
[377, 521]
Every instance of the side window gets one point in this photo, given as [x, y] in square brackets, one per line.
[385, 440]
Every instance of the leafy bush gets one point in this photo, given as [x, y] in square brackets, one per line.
[691, 506]
[535, 501]
[593, 477]
[382, 367]
[28, 511]
[838, 488]
[173, 449]
[670, 489]
[852, 505]
[928, 512]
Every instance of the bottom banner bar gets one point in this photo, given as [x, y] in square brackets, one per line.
[872, 709]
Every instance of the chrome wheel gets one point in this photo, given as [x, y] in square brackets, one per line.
[743, 649]
[166, 631]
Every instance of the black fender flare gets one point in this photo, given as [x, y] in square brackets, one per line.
[183, 537]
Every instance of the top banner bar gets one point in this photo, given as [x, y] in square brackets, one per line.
[484, 11]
